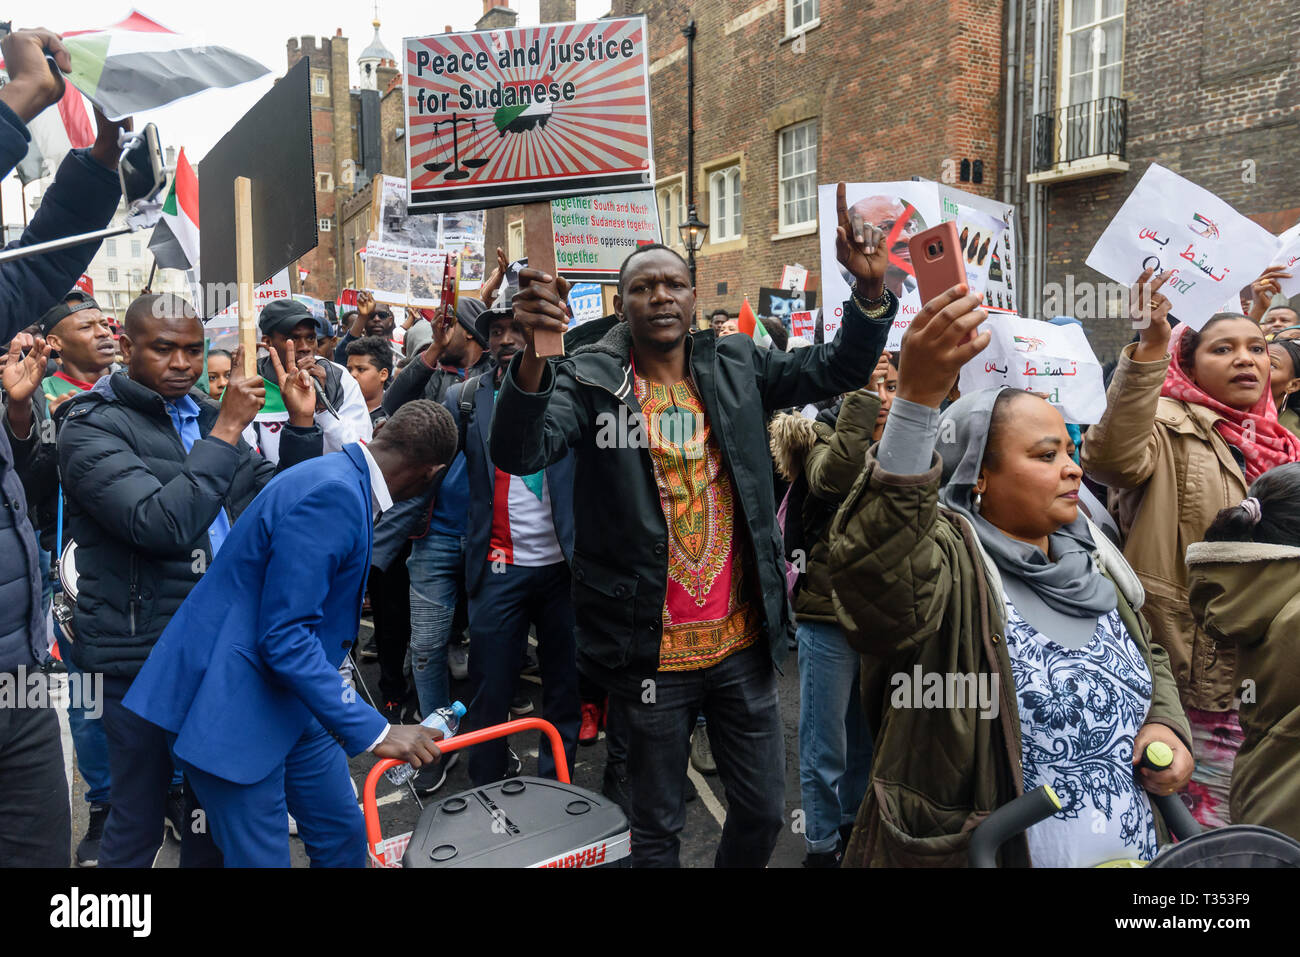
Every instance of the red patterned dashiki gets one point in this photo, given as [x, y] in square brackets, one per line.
[705, 617]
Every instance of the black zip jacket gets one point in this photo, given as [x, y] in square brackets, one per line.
[139, 508]
[620, 549]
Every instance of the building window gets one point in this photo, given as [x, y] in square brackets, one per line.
[1092, 58]
[110, 248]
[318, 84]
[515, 241]
[137, 277]
[323, 225]
[135, 249]
[798, 175]
[1094, 49]
[112, 275]
[324, 182]
[800, 15]
[671, 212]
[725, 218]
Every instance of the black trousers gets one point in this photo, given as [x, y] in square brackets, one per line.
[390, 606]
[35, 816]
[140, 764]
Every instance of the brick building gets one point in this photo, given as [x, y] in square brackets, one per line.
[356, 133]
[1211, 91]
[780, 108]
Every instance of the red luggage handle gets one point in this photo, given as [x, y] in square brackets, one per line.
[371, 810]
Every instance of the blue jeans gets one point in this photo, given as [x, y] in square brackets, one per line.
[834, 741]
[738, 696]
[89, 743]
[437, 570]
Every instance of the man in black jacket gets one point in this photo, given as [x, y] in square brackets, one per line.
[155, 473]
[35, 820]
[678, 569]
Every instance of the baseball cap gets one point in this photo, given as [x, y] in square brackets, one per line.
[75, 301]
[282, 315]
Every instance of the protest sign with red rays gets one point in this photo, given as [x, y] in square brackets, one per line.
[497, 117]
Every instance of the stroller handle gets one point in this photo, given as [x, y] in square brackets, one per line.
[1158, 756]
[371, 809]
[1009, 820]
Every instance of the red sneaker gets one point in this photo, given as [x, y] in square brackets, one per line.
[590, 729]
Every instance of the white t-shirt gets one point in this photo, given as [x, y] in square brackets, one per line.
[352, 425]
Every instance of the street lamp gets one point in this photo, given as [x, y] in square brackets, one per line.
[693, 232]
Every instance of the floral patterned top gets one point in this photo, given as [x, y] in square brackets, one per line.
[706, 616]
[1080, 712]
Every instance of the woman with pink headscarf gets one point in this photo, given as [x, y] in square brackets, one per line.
[1189, 424]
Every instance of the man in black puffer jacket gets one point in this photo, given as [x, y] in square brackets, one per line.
[155, 473]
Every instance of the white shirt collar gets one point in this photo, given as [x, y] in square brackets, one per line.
[379, 494]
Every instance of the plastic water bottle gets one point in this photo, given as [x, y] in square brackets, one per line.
[446, 720]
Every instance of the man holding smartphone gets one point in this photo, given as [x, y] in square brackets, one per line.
[679, 578]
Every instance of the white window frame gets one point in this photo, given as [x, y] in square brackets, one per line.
[515, 240]
[324, 182]
[1070, 36]
[112, 274]
[726, 204]
[670, 188]
[783, 224]
[110, 248]
[323, 225]
[137, 249]
[319, 86]
[806, 25]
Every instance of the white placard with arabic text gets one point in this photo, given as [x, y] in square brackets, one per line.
[1170, 224]
[1054, 361]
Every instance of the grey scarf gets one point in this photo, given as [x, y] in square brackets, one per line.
[1062, 597]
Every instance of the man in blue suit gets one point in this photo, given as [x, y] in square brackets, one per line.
[246, 675]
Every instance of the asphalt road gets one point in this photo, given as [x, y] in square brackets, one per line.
[399, 812]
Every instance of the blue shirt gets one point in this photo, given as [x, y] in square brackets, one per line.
[453, 500]
[185, 417]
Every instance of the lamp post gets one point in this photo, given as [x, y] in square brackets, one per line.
[692, 229]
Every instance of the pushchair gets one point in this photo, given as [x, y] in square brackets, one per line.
[1238, 845]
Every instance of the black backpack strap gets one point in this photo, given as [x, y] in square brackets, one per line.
[466, 403]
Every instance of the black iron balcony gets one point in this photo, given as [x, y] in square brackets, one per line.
[1080, 131]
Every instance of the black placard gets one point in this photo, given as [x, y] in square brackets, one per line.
[272, 146]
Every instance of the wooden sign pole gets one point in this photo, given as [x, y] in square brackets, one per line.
[539, 247]
[244, 272]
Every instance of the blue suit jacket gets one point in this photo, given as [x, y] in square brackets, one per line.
[253, 653]
[482, 483]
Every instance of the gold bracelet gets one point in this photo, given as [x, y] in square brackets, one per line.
[873, 312]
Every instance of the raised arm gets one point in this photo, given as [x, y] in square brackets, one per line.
[531, 430]
[819, 372]
[890, 551]
[1120, 450]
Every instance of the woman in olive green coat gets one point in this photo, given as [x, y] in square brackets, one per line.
[1005, 645]
[1244, 580]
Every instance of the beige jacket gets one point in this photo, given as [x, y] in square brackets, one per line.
[1170, 473]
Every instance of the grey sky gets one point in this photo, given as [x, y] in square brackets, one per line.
[260, 29]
